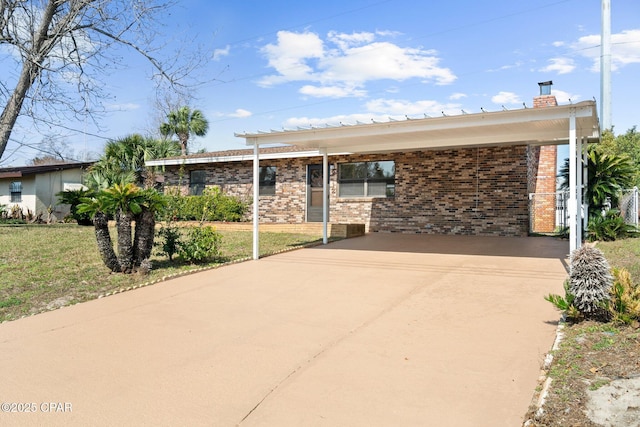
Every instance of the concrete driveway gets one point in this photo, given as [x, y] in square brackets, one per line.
[379, 330]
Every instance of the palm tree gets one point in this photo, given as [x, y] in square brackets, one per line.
[184, 122]
[124, 160]
[127, 203]
[608, 175]
[151, 202]
[97, 209]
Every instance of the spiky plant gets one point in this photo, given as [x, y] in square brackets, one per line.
[590, 282]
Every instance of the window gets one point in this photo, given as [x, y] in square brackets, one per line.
[267, 180]
[367, 179]
[15, 188]
[197, 182]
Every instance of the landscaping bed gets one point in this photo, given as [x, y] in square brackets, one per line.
[595, 371]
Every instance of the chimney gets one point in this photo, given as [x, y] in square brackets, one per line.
[545, 99]
[542, 161]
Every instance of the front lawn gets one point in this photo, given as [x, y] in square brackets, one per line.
[43, 267]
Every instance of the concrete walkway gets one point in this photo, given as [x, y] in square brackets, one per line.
[381, 330]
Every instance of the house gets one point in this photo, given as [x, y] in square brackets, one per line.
[467, 174]
[33, 188]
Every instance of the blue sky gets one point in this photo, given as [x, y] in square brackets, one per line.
[281, 64]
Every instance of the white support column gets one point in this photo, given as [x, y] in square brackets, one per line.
[325, 196]
[585, 184]
[574, 241]
[256, 201]
[579, 178]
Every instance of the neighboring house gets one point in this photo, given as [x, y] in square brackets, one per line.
[468, 174]
[34, 188]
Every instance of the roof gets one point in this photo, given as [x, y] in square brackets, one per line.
[246, 154]
[541, 126]
[20, 171]
[531, 126]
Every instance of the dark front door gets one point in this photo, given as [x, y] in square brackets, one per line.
[314, 193]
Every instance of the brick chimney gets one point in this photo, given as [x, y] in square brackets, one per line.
[545, 99]
[542, 172]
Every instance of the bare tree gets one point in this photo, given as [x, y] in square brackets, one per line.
[60, 48]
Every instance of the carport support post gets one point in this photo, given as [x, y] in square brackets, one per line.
[256, 200]
[585, 185]
[575, 238]
[579, 180]
[325, 194]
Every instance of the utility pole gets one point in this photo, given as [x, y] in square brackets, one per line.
[605, 67]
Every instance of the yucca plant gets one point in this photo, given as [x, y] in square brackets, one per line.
[590, 282]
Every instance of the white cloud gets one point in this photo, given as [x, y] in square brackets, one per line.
[331, 91]
[625, 49]
[564, 97]
[344, 63]
[290, 55]
[241, 113]
[345, 41]
[379, 110]
[457, 95]
[558, 44]
[506, 98]
[516, 64]
[219, 53]
[560, 65]
[401, 107]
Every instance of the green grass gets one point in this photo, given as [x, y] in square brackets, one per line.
[43, 267]
[623, 253]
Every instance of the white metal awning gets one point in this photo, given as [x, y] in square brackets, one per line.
[574, 124]
[544, 126]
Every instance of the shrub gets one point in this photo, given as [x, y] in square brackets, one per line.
[170, 240]
[609, 227]
[73, 198]
[201, 244]
[590, 282]
[624, 306]
[212, 205]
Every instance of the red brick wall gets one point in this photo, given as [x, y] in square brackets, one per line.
[542, 178]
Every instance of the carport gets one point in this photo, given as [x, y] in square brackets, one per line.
[573, 124]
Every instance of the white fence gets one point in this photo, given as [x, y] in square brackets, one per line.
[629, 206]
[540, 205]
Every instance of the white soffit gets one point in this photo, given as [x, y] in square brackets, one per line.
[544, 126]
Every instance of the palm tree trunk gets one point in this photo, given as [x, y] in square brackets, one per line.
[144, 235]
[105, 247]
[125, 244]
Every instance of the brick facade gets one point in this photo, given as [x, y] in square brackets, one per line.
[543, 165]
[473, 191]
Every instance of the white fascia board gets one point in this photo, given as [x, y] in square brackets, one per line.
[227, 159]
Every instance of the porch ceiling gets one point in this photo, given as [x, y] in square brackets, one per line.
[544, 126]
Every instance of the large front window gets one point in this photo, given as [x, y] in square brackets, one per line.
[367, 179]
[267, 180]
[197, 182]
[15, 188]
